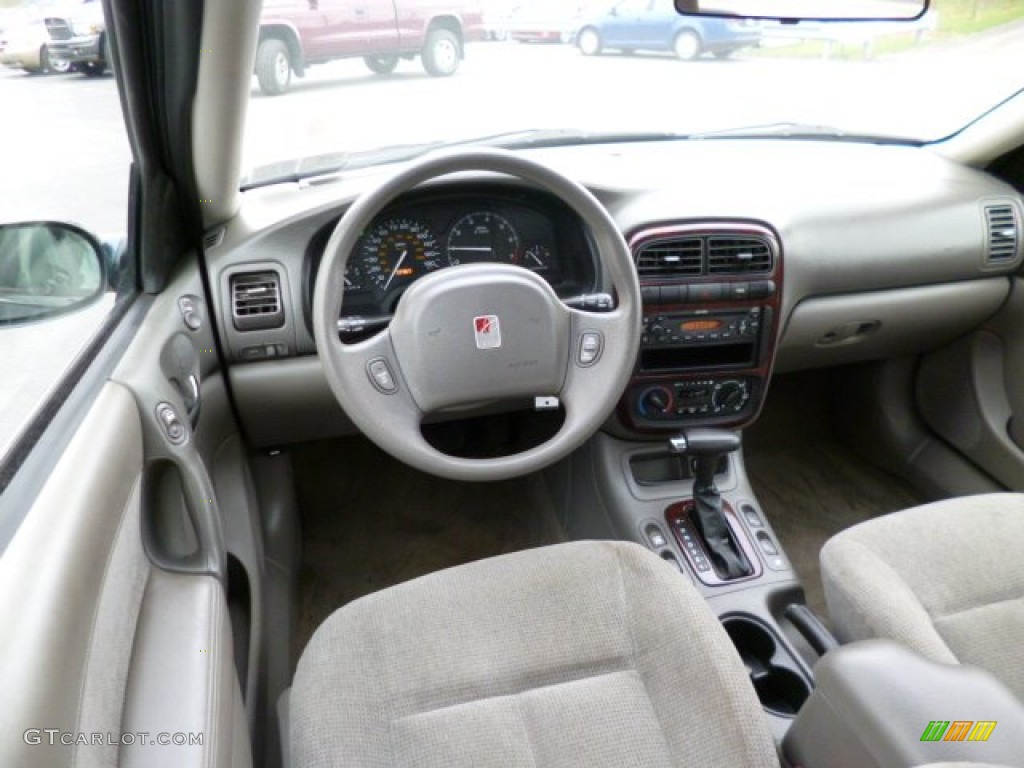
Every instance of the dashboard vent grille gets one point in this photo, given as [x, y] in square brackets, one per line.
[214, 238]
[683, 257]
[699, 255]
[256, 301]
[738, 255]
[1002, 233]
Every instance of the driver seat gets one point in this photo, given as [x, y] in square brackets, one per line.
[582, 654]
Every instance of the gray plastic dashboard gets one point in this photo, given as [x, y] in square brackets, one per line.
[889, 250]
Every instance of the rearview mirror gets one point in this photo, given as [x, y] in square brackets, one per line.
[807, 10]
[47, 269]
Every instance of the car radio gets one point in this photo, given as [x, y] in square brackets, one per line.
[701, 339]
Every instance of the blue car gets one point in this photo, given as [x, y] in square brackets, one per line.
[655, 25]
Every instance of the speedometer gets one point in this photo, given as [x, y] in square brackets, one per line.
[482, 236]
[395, 252]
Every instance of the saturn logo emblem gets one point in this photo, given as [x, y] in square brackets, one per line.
[487, 330]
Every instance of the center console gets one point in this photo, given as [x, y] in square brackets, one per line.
[711, 296]
[668, 473]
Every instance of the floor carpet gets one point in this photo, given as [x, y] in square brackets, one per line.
[813, 491]
[810, 484]
[369, 522]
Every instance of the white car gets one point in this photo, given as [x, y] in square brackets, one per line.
[25, 44]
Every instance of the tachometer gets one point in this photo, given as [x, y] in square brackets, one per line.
[482, 236]
[397, 251]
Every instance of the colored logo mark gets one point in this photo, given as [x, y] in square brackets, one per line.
[958, 730]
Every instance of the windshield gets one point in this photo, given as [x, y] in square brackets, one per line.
[332, 82]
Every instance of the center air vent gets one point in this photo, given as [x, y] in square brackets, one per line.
[702, 255]
[671, 258]
[256, 301]
[1002, 233]
[738, 256]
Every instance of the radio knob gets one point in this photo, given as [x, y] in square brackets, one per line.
[730, 395]
[656, 401]
[658, 329]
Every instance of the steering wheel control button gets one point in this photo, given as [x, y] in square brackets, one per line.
[591, 344]
[381, 377]
[173, 427]
[541, 403]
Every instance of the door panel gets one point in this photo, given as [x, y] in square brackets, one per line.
[113, 600]
[75, 545]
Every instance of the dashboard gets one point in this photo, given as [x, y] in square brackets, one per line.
[754, 257]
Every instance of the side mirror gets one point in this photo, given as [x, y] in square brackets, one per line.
[47, 269]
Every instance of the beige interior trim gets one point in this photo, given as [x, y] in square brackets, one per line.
[52, 574]
[221, 102]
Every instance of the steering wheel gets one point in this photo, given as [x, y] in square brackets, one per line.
[479, 332]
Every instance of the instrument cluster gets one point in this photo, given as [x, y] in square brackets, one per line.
[426, 232]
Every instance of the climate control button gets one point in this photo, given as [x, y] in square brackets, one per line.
[655, 401]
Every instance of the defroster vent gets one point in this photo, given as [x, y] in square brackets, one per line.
[256, 301]
[1003, 233]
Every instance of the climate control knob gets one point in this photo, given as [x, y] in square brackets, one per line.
[730, 395]
[655, 401]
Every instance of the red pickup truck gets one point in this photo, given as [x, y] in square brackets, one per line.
[295, 34]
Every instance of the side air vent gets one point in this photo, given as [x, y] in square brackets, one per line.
[1003, 234]
[683, 257]
[738, 256]
[256, 301]
[214, 238]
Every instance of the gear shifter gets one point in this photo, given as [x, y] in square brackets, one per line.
[707, 446]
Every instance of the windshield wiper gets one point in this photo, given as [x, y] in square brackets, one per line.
[802, 131]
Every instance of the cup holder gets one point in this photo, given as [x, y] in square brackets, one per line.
[781, 690]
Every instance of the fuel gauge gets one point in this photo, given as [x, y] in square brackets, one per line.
[537, 258]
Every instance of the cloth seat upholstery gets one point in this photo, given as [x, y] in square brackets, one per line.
[944, 579]
[582, 654]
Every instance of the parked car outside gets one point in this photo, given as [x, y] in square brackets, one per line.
[654, 25]
[496, 17]
[25, 43]
[80, 37]
[547, 21]
[295, 34]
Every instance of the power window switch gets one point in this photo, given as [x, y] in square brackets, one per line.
[750, 515]
[767, 545]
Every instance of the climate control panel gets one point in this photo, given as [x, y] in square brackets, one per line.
[672, 401]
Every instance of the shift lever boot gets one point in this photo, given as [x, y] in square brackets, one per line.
[707, 446]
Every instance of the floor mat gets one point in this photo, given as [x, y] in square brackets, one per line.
[369, 522]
